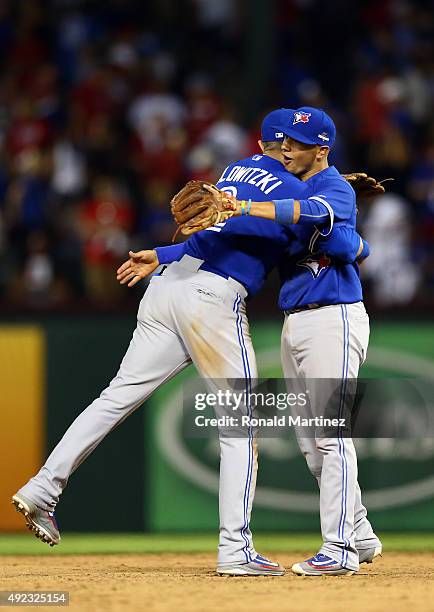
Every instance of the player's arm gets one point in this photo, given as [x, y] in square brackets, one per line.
[344, 243]
[336, 202]
[141, 264]
[287, 212]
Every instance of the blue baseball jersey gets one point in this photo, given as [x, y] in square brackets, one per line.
[247, 248]
[308, 275]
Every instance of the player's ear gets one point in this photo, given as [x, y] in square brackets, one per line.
[261, 145]
[322, 152]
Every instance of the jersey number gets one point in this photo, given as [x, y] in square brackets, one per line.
[219, 226]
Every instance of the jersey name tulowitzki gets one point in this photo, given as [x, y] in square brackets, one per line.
[259, 177]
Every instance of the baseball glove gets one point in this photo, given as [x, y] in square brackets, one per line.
[199, 205]
[365, 186]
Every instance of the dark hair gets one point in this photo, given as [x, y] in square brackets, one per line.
[270, 145]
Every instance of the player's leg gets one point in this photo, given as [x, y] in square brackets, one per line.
[295, 383]
[221, 349]
[214, 326]
[367, 543]
[366, 540]
[330, 343]
[154, 355]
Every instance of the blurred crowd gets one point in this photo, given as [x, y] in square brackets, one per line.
[106, 109]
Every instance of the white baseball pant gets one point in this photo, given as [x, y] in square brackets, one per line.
[331, 343]
[186, 315]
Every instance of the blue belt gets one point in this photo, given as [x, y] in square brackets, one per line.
[208, 268]
[302, 308]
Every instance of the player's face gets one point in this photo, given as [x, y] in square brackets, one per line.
[298, 157]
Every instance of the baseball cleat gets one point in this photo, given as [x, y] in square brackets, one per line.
[321, 565]
[367, 555]
[259, 566]
[41, 522]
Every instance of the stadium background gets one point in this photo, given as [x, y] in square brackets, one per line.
[106, 109]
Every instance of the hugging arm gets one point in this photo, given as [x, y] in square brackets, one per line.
[343, 243]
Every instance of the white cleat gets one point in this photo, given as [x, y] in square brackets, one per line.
[321, 565]
[259, 566]
[41, 522]
[368, 555]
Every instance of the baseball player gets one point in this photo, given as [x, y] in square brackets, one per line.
[326, 331]
[193, 312]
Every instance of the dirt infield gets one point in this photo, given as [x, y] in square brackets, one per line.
[158, 582]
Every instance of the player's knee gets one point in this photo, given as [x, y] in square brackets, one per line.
[326, 445]
[314, 464]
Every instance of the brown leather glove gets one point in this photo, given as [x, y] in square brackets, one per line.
[199, 205]
[365, 186]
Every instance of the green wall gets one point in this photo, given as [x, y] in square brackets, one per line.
[396, 475]
[147, 476]
[107, 493]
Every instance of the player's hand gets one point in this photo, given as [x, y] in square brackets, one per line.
[138, 266]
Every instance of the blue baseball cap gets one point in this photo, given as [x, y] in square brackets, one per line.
[272, 123]
[309, 125]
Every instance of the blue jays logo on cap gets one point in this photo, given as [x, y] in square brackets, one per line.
[301, 117]
[309, 125]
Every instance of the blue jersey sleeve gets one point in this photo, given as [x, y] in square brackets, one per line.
[167, 254]
[343, 244]
[365, 252]
[338, 197]
[335, 201]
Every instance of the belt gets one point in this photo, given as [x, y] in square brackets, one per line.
[193, 264]
[302, 308]
[206, 268]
